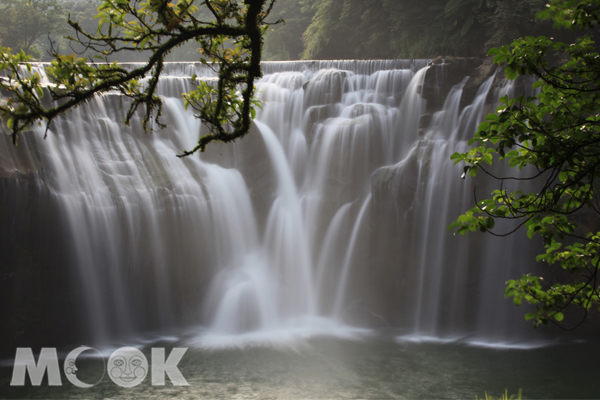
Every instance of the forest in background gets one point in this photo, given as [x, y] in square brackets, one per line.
[315, 29]
[405, 29]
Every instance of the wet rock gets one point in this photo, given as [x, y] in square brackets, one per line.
[477, 77]
[458, 64]
[38, 295]
[437, 60]
[388, 282]
[326, 87]
[316, 114]
[521, 86]
[425, 121]
[442, 75]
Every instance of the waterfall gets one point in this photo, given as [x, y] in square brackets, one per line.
[332, 210]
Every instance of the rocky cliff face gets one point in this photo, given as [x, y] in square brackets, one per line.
[418, 275]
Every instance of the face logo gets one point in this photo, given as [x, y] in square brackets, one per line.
[71, 369]
[127, 367]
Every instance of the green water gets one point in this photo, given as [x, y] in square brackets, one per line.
[372, 368]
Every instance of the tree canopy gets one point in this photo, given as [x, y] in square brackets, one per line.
[229, 34]
[367, 29]
[358, 29]
[24, 22]
[554, 138]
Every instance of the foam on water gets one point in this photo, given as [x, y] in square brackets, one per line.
[293, 334]
[475, 342]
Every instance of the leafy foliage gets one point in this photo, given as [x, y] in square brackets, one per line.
[363, 29]
[423, 29]
[504, 396]
[348, 29]
[23, 23]
[284, 41]
[554, 138]
[230, 42]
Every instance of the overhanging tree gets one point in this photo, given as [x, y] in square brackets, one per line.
[229, 41]
[555, 138]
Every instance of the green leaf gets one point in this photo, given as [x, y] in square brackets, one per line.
[511, 74]
[558, 316]
[517, 301]
[530, 232]
[562, 176]
[453, 225]
[473, 171]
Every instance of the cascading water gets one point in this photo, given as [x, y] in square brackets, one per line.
[332, 212]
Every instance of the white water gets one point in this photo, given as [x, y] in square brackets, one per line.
[334, 200]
